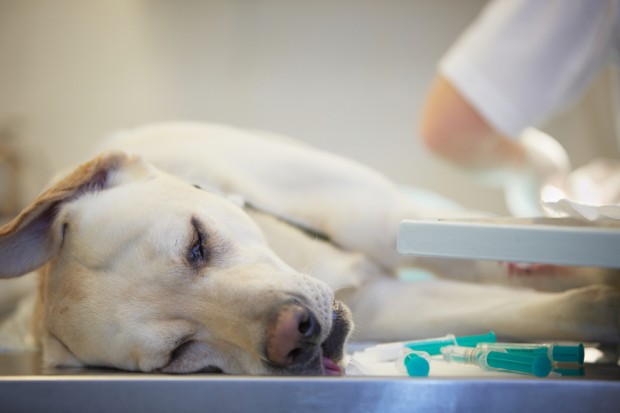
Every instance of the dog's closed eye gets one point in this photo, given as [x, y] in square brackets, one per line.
[198, 252]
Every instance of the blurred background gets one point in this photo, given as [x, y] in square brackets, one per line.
[348, 76]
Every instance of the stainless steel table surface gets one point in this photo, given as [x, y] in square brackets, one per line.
[24, 387]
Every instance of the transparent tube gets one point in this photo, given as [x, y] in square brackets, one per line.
[391, 351]
[432, 346]
[536, 365]
[557, 353]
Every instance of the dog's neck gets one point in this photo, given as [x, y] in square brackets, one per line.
[308, 231]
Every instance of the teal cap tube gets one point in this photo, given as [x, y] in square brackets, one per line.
[414, 363]
[571, 354]
[558, 353]
[434, 346]
[473, 341]
[416, 366]
[539, 366]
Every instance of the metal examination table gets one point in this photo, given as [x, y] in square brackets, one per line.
[24, 387]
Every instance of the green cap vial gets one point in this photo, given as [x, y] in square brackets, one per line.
[414, 363]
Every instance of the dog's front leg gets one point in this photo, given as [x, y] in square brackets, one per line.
[533, 276]
[388, 309]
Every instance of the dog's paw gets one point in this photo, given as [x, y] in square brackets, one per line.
[518, 269]
[595, 309]
[549, 277]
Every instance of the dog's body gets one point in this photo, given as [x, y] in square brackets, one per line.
[191, 254]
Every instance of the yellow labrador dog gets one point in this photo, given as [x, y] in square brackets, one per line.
[203, 248]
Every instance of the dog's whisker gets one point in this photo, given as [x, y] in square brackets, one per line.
[311, 263]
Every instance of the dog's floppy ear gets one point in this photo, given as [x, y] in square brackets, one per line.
[29, 241]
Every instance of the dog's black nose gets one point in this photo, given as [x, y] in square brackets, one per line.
[293, 336]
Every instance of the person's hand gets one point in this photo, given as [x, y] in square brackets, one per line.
[595, 183]
[542, 175]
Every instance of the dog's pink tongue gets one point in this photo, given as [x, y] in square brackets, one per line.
[330, 368]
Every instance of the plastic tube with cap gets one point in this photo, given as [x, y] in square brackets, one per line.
[414, 363]
[432, 346]
[557, 353]
[536, 365]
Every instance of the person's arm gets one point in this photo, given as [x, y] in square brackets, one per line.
[453, 129]
[515, 66]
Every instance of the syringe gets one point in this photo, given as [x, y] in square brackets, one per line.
[432, 346]
[536, 365]
[557, 353]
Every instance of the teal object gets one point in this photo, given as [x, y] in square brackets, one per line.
[570, 354]
[571, 372]
[557, 353]
[526, 351]
[433, 346]
[539, 366]
[473, 341]
[416, 365]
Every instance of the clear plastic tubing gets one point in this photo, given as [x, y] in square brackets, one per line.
[535, 365]
[432, 346]
[557, 353]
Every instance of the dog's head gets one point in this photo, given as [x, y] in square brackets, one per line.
[142, 271]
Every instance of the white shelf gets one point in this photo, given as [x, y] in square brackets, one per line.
[563, 241]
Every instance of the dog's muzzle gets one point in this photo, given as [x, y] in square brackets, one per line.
[293, 344]
[333, 346]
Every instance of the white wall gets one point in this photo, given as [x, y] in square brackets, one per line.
[346, 75]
